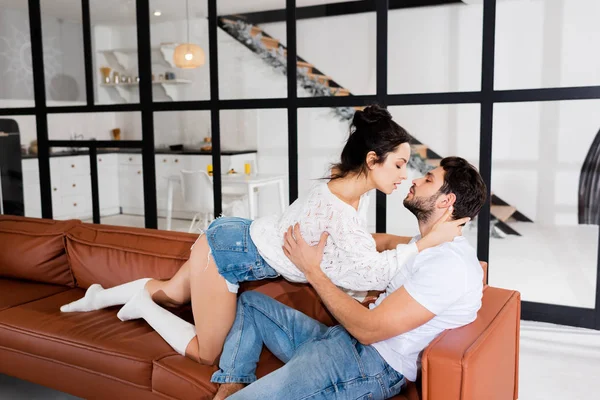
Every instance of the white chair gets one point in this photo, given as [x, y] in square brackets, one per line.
[197, 193]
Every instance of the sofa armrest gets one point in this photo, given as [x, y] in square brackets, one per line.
[480, 360]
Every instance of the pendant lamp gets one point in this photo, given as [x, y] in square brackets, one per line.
[188, 55]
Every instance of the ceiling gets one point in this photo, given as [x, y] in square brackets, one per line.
[122, 12]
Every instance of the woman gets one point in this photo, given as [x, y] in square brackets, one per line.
[235, 250]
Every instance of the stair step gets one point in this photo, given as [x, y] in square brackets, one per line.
[503, 213]
[270, 43]
[255, 30]
[420, 149]
[434, 161]
[307, 66]
[320, 78]
[340, 92]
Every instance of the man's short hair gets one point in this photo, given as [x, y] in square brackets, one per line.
[463, 179]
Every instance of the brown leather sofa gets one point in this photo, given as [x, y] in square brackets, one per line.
[45, 264]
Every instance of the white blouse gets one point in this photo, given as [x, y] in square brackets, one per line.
[350, 258]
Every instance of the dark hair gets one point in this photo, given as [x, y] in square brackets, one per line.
[371, 130]
[463, 179]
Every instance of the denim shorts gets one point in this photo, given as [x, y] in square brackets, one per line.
[234, 252]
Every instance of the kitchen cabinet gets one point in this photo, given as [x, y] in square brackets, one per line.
[120, 183]
[131, 184]
[71, 187]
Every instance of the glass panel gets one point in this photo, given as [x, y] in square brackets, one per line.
[114, 40]
[443, 131]
[16, 85]
[251, 57]
[182, 140]
[337, 55]
[99, 126]
[434, 49]
[169, 28]
[254, 162]
[545, 166]
[121, 187]
[120, 174]
[539, 42]
[63, 53]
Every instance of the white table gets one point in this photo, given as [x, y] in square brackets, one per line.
[250, 181]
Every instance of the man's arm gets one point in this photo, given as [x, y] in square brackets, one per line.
[398, 313]
[385, 241]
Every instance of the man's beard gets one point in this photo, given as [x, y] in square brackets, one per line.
[421, 207]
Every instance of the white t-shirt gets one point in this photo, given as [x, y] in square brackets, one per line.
[448, 281]
[350, 257]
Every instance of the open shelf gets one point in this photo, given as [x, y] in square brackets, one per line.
[163, 82]
[124, 89]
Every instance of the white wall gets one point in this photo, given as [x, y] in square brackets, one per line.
[62, 126]
[63, 62]
[63, 58]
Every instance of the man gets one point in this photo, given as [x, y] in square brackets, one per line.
[374, 350]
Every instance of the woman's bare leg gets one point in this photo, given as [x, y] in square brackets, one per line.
[170, 293]
[213, 306]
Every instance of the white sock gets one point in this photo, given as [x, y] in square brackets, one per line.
[177, 332]
[96, 297]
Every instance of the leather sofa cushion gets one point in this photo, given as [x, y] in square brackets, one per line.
[112, 255]
[181, 378]
[16, 292]
[33, 249]
[96, 341]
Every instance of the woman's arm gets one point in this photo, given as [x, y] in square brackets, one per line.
[385, 241]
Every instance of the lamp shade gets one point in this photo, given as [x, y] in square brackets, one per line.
[188, 55]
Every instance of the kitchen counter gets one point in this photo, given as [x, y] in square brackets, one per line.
[139, 151]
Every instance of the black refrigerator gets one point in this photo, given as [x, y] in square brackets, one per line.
[11, 175]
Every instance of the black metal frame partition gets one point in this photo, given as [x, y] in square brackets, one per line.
[486, 97]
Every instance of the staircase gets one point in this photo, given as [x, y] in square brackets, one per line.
[319, 84]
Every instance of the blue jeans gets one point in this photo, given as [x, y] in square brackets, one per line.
[234, 252]
[321, 362]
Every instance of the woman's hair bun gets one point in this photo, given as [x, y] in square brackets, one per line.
[371, 115]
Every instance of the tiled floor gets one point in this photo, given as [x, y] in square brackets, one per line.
[16, 389]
